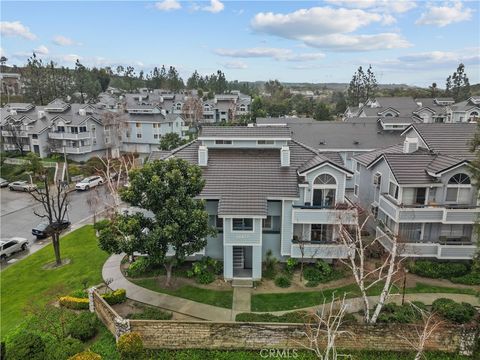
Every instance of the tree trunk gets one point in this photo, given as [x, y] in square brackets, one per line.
[168, 268]
[56, 248]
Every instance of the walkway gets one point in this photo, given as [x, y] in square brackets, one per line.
[111, 270]
[241, 298]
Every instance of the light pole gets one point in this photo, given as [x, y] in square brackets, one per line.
[405, 272]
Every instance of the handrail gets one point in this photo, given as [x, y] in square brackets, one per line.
[388, 197]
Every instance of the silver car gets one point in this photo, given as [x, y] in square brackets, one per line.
[21, 186]
[3, 183]
[11, 246]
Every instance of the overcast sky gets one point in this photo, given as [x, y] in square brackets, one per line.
[413, 42]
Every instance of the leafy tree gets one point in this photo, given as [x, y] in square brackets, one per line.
[458, 85]
[3, 61]
[124, 234]
[171, 141]
[322, 112]
[34, 81]
[34, 164]
[169, 189]
[257, 108]
[192, 82]
[103, 77]
[87, 86]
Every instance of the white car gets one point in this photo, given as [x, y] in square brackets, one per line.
[89, 183]
[21, 186]
[11, 246]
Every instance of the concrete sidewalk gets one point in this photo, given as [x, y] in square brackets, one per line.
[111, 270]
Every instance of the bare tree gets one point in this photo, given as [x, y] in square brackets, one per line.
[115, 124]
[17, 135]
[431, 323]
[55, 202]
[93, 201]
[326, 325]
[365, 278]
[193, 110]
[232, 110]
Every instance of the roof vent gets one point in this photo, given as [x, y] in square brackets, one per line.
[82, 112]
[322, 142]
[13, 112]
[356, 142]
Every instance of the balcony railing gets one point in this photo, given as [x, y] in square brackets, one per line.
[74, 149]
[436, 213]
[311, 214]
[318, 249]
[68, 136]
[459, 251]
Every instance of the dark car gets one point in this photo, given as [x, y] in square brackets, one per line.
[44, 230]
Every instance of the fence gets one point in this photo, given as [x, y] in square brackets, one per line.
[172, 334]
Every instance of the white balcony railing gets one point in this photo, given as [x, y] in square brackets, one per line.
[69, 136]
[461, 251]
[439, 213]
[319, 215]
[311, 250]
[77, 150]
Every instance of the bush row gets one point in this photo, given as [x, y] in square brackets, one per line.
[456, 272]
[78, 300]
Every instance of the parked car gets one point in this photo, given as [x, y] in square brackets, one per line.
[43, 229]
[3, 183]
[21, 186]
[11, 246]
[89, 182]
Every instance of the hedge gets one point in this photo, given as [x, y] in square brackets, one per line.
[130, 346]
[86, 355]
[76, 303]
[115, 297]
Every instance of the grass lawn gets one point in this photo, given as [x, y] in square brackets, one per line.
[299, 300]
[27, 281]
[205, 296]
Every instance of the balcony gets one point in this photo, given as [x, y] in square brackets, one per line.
[69, 136]
[13, 147]
[77, 150]
[439, 213]
[7, 133]
[445, 250]
[341, 214]
[318, 250]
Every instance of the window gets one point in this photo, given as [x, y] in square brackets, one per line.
[138, 125]
[34, 136]
[321, 232]
[325, 179]
[375, 211]
[155, 136]
[357, 168]
[393, 190]
[420, 196]
[462, 179]
[127, 134]
[324, 190]
[139, 136]
[61, 129]
[355, 190]
[223, 142]
[83, 129]
[216, 221]
[244, 224]
[267, 223]
[74, 130]
[458, 189]
[265, 142]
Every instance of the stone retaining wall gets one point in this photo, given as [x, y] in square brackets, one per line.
[255, 336]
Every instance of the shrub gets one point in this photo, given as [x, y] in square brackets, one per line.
[138, 267]
[472, 278]
[151, 313]
[393, 313]
[312, 274]
[74, 303]
[101, 224]
[291, 265]
[283, 281]
[205, 278]
[26, 345]
[456, 312]
[291, 317]
[270, 265]
[86, 355]
[312, 283]
[83, 327]
[65, 349]
[324, 267]
[436, 270]
[79, 293]
[115, 297]
[130, 346]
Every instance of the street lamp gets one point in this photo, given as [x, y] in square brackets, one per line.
[405, 272]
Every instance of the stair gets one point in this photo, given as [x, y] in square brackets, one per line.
[60, 172]
[240, 283]
[238, 258]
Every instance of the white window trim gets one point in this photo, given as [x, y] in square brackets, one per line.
[242, 231]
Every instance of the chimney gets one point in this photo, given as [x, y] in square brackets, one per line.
[360, 105]
[410, 145]
[202, 155]
[41, 114]
[13, 112]
[163, 112]
[285, 156]
[82, 112]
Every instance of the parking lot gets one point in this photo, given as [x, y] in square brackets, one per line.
[18, 218]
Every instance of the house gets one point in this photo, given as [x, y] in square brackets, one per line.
[464, 111]
[421, 191]
[384, 106]
[267, 191]
[433, 110]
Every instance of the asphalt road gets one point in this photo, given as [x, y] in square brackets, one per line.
[18, 218]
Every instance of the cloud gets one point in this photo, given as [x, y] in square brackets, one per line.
[2, 52]
[235, 65]
[16, 28]
[168, 5]
[215, 6]
[264, 52]
[61, 40]
[326, 27]
[42, 50]
[396, 6]
[445, 15]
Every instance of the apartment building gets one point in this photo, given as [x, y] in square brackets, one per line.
[267, 191]
[421, 191]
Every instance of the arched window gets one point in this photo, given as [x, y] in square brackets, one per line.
[325, 179]
[458, 189]
[324, 191]
[388, 115]
[473, 116]
[461, 178]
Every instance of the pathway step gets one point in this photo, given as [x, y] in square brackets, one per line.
[242, 283]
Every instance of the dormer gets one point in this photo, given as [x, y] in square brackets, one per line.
[20, 107]
[57, 105]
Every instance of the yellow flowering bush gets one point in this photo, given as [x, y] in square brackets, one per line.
[86, 355]
[74, 302]
[130, 346]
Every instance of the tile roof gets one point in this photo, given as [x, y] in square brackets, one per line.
[285, 120]
[368, 157]
[253, 132]
[410, 168]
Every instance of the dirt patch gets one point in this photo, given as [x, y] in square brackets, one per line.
[53, 265]
[134, 307]
[178, 281]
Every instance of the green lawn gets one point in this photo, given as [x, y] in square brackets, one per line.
[27, 281]
[206, 296]
[299, 300]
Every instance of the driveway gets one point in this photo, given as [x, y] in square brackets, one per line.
[18, 219]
